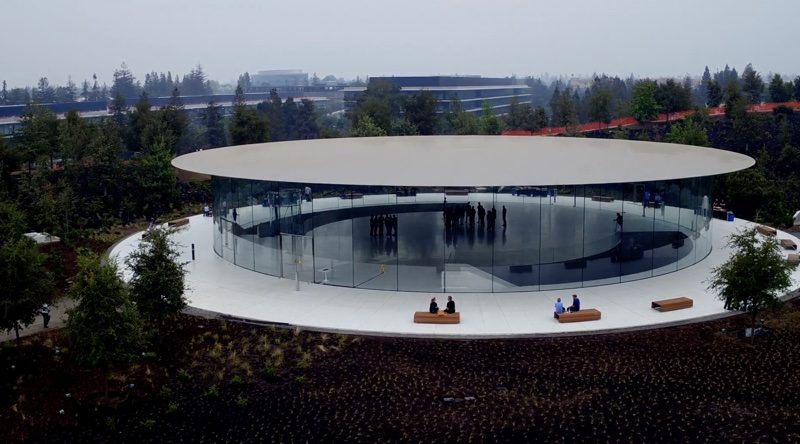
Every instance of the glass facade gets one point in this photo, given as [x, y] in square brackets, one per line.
[480, 239]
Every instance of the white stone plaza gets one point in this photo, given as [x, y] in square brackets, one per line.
[222, 287]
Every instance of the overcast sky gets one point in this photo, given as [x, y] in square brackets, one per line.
[348, 38]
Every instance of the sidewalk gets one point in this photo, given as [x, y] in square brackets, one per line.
[58, 318]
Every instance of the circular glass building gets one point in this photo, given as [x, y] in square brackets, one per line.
[463, 213]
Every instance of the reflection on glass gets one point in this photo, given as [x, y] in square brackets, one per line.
[471, 239]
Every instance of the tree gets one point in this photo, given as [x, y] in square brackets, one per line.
[246, 126]
[307, 127]
[174, 117]
[420, 111]
[644, 106]
[735, 102]
[563, 108]
[490, 124]
[4, 94]
[754, 277]
[365, 127]
[125, 83]
[290, 118]
[273, 111]
[796, 88]
[104, 327]
[459, 122]
[24, 282]
[244, 82]
[382, 101]
[39, 134]
[215, 126]
[157, 183]
[195, 83]
[673, 97]
[44, 93]
[752, 85]
[74, 136]
[714, 94]
[157, 284]
[688, 132]
[600, 106]
[778, 90]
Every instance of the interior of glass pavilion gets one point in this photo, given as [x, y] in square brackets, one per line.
[445, 239]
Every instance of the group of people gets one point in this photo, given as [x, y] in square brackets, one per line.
[559, 306]
[465, 215]
[378, 222]
[451, 306]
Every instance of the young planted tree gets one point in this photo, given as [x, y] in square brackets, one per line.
[24, 284]
[644, 105]
[755, 276]
[104, 327]
[157, 285]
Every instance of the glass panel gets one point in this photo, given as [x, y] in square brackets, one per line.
[604, 221]
[244, 230]
[668, 238]
[333, 237]
[468, 266]
[562, 249]
[375, 231]
[267, 248]
[517, 250]
[686, 222]
[420, 246]
[636, 245]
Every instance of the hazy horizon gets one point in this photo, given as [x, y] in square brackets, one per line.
[362, 38]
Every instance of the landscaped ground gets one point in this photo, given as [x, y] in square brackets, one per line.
[211, 381]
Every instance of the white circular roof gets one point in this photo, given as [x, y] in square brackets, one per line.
[461, 161]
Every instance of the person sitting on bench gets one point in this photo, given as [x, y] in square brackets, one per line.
[451, 305]
[434, 306]
[576, 304]
[559, 307]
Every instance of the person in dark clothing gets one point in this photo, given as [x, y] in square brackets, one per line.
[471, 211]
[504, 215]
[576, 304]
[45, 311]
[234, 214]
[434, 308]
[388, 223]
[451, 305]
[481, 213]
[380, 225]
[372, 225]
[619, 222]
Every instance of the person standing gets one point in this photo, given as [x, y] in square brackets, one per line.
[481, 213]
[45, 311]
[645, 201]
[619, 222]
[504, 215]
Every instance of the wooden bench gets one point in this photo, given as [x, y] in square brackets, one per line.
[588, 314]
[793, 259]
[178, 223]
[672, 304]
[602, 198]
[424, 317]
[788, 244]
[766, 231]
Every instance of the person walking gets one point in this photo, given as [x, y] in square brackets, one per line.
[45, 311]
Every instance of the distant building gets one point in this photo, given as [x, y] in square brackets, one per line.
[280, 77]
[472, 91]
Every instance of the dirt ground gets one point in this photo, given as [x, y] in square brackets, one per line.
[205, 380]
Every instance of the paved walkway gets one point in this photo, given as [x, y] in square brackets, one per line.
[58, 319]
[219, 286]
